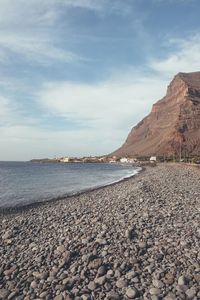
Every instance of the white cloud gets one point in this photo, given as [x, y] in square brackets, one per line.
[32, 28]
[4, 107]
[185, 57]
[88, 4]
[10, 6]
[110, 108]
[45, 12]
[32, 48]
[7, 111]
[117, 6]
[12, 114]
[107, 111]
[26, 142]
[26, 29]
[113, 103]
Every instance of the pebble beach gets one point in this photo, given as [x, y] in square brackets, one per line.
[137, 239]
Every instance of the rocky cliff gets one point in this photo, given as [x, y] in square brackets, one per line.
[173, 126]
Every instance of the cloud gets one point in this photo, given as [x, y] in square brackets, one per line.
[104, 112]
[112, 106]
[4, 107]
[27, 29]
[185, 56]
[7, 111]
[26, 142]
[32, 48]
[13, 114]
[45, 12]
[111, 6]
[87, 4]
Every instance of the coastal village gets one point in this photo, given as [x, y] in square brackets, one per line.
[122, 160]
[96, 159]
[88, 159]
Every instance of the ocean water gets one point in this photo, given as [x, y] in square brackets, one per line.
[23, 183]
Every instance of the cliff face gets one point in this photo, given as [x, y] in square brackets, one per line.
[173, 126]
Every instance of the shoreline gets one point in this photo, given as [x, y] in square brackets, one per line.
[21, 208]
[136, 239]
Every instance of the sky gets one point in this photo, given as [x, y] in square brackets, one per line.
[77, 75]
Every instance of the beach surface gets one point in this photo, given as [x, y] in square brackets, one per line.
[137, 239]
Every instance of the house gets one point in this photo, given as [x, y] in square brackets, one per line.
[124, 160]
[64, 159]
[153, 159]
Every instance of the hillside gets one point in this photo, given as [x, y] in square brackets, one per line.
[173, 125]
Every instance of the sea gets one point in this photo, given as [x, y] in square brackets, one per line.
[24, 183]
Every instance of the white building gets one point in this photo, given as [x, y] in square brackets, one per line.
[124, 160]
[64, 159]
[153, 159]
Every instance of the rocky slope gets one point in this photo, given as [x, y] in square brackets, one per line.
[173, 126]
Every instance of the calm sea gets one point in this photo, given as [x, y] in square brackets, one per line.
[23, 183]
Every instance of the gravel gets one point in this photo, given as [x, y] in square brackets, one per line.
[137, 239]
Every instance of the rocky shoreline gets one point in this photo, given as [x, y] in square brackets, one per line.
[7, 210]
[138, 239]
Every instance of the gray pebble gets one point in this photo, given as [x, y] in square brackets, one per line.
[131, 293]
[92, 286]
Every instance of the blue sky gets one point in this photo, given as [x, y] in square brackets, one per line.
[77, 75]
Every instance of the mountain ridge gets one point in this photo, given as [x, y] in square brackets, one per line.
[173, 125]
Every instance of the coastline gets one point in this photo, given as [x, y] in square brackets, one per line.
[21, 208]
[135, 239]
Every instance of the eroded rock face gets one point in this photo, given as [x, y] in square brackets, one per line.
[173, 124]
